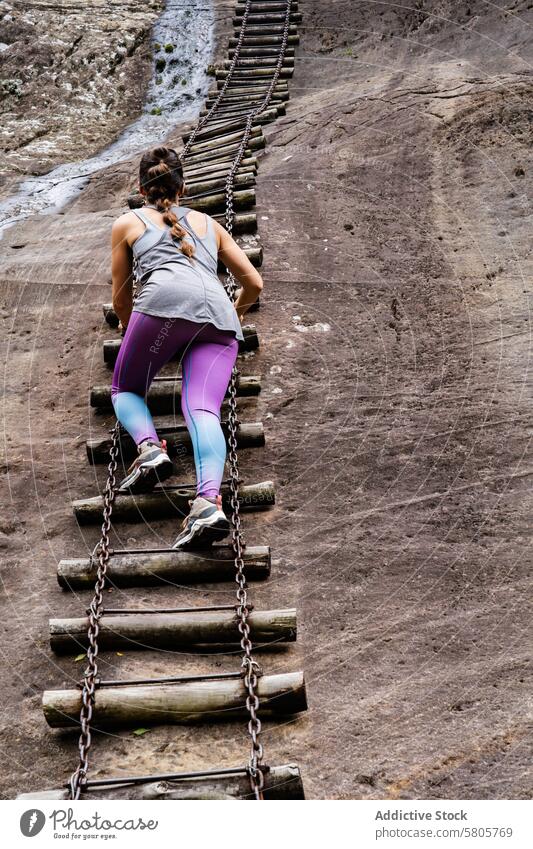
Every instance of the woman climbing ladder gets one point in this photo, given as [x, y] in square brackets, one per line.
[182, 306]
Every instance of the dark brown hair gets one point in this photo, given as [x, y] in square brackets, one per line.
[161, 176]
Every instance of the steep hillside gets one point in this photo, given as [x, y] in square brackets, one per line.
[395, 339]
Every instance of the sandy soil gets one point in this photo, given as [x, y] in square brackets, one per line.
[392, 204]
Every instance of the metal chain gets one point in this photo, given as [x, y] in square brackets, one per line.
[250, 666]
[90, 680]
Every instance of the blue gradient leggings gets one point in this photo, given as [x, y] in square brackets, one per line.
[208, 357]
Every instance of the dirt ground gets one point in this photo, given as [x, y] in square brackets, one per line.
[395, 342]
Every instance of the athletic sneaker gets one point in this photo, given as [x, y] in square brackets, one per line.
[206, 523]
[152, 466]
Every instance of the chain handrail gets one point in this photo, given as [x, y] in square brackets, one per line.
[250, 667]
[96, 609]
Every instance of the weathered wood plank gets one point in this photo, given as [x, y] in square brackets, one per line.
[261, 18]
[178, 438]
[256, 141]
[190, 629]
[222, 131]
[281, 782]
[259, 62]
[166, 567]
[111, 347]
[168, 502]
[261, 51]
[252, 73]
[182, 703]
[252, 40]
[164, 396]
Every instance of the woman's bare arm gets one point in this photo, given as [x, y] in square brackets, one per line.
[121, 271]
[238, 263]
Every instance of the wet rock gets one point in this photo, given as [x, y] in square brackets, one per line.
[60, 80]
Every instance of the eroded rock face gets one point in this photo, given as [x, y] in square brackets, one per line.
[71, 77]
[392, 207]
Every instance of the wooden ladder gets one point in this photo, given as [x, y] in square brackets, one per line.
[222, 696]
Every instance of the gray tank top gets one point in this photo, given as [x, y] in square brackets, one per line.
[174, 286]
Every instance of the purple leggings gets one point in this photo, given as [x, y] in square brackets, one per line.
[207, 361]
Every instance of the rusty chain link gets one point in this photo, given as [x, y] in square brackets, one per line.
[90, 680]
[250, 667]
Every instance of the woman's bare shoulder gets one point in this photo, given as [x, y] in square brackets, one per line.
[124, 220]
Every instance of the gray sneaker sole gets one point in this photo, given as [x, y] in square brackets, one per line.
[147, 475]
[204, 532]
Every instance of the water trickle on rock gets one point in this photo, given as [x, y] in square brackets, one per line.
[182, 43]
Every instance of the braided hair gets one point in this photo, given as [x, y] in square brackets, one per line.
[161, 176]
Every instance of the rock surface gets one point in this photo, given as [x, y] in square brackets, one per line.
[394, 336]
[71, 77]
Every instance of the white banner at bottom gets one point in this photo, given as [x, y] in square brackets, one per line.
[330, 824]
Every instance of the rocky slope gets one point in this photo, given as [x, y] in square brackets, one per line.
[394, 329]
[71, 78]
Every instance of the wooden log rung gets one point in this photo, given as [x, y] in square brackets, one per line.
[250, 100]
[151, 567]
[183, 703]
[243, 85]
[247, 164]
[240, 85]
[242, 178]
[164, 393]
[259, 62]
[111, 347]
[213, 200]
[281, 782]
[252, 74]
[222, 154]
[136, 200]
[261, 51]
[244, 92]
[191, 628]
[241, 110]
[243, 222]
[265, 29]
[214, 131]
[265, 5]
[262, 18]
[168, 502]
[218, 119]
[256, 141]
[253, 40]
[178, 439]
[149, 611]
